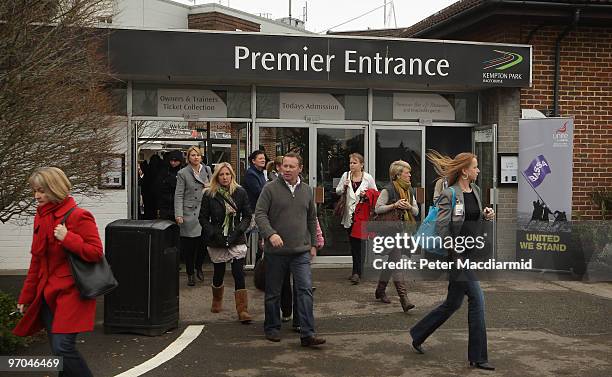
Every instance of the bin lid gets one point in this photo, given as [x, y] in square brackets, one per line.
[141, 224]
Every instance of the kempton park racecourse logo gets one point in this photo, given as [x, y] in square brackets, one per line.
[494, 68]
[561, 137]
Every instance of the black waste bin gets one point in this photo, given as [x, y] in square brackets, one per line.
[144, 258]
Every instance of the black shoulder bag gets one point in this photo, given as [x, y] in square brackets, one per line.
[91, 279]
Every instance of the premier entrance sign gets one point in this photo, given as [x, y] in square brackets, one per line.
[257, 58]
[353, 63]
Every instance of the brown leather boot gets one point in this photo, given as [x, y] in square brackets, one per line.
[380, 292]
[217, 300]
[402, 292]
[242, 306]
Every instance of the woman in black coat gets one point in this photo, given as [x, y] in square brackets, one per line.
[225, 215]
[166, 185]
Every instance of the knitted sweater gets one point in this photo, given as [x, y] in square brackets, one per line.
[292, 216]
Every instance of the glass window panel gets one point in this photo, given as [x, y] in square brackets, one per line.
[237, 99]
[465, 106]
[278, 141]
[393, 145]
[354, 102]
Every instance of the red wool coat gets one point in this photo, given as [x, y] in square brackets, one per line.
[363, 212]
[49, 274]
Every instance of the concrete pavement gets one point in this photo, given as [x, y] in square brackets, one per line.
[534, 329]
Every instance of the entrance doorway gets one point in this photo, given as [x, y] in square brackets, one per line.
[323, 167]
[219, 141]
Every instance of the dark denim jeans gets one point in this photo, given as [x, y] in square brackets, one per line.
[288, 304]
[276, 268]
[460, 283]
[64, 345]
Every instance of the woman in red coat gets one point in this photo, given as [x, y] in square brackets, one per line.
[49, 297]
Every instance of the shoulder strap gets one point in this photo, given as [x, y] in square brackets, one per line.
[230, 202]
[67, 215]
[453, 200]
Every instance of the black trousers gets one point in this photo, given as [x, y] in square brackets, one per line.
[192, 249]
[64, 345]
[358, 247]
[237, 273]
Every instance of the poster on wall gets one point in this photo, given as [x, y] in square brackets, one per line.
[544, 203]
[422, 106]
[190, 104]
[302, 105]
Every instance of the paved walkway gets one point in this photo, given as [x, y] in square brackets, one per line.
[534, 329]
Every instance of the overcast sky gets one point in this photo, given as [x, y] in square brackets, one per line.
[324, 14]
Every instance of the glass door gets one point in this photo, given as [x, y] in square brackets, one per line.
[392, 143]
[334, 144]
[279, 139]
[485, 148]
[219, 141]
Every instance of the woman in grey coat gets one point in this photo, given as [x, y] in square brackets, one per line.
[190, 184]
[460, 219]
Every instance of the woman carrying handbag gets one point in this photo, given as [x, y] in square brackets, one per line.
[352, 185]
[49, 297]
[225, 215]
[464, 218]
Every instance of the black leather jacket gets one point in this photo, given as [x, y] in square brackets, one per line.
[212, 215]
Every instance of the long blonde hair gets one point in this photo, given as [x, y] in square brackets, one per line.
[53, 181]
[451, 168]
[214, 181]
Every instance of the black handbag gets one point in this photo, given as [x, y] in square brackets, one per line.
[259, 274]
[91, 279]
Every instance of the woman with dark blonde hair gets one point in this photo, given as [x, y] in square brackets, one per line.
[460, 219]
[225, 215]
[354, 183]
[49, 296]
[399, 198]
[190, 184]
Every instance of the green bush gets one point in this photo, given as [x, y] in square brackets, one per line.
[8, 341]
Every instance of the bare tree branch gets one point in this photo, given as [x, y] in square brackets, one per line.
[55, 104]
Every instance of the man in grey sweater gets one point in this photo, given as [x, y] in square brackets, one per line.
[286, 217]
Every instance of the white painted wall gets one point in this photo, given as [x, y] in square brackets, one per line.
[167, 14]
[159, 14]
[16, 236]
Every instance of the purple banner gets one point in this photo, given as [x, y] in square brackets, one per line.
[537, 170]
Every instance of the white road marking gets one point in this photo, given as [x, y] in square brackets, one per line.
[176, 347]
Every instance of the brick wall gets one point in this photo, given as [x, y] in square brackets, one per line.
[585, 92]
[220, 21]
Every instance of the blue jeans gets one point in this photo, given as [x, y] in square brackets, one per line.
[460, 283]
[276, 269]
[64, 345]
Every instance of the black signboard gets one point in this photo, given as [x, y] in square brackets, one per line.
[261, 58]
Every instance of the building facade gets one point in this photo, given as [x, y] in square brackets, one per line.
[231, 92]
